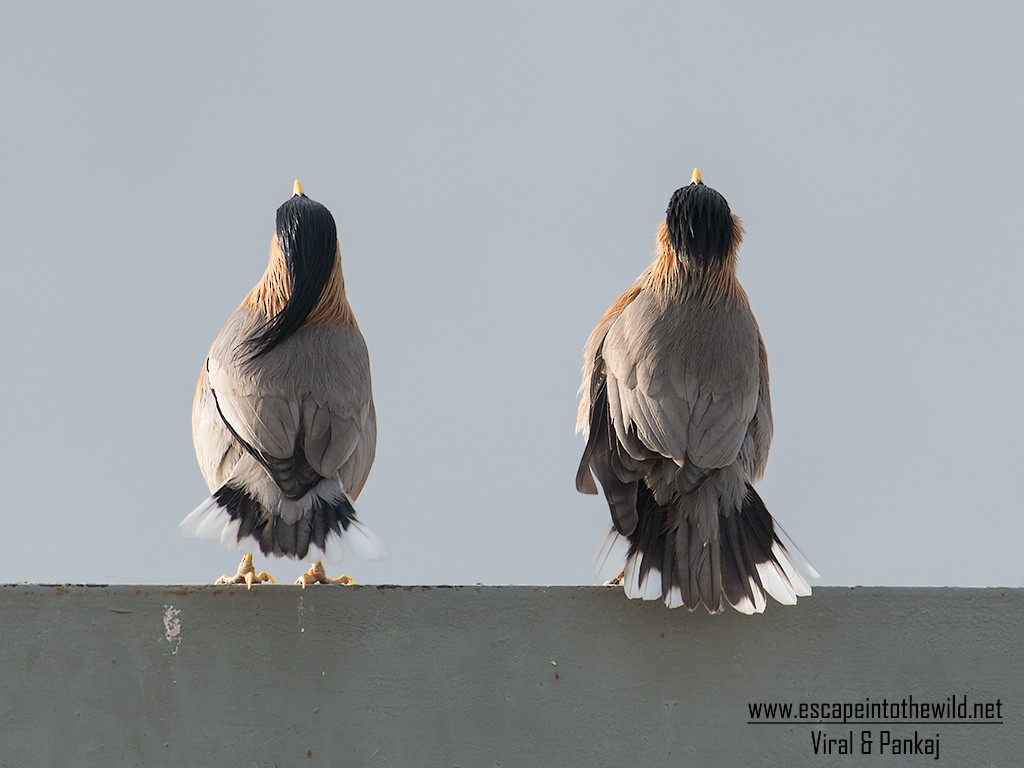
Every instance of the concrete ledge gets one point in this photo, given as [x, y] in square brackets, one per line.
[490, 676]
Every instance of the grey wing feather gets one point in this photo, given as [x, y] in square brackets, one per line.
[216, 449]
[754, 452]
[355, 471]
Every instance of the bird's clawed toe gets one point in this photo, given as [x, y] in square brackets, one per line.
[317, 575]
[617, 581]
[246, 575]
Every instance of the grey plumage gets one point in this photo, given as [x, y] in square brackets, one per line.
[285, 430]
[676, 409]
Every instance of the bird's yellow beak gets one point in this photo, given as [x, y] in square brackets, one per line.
[695, 179]
[297, 189]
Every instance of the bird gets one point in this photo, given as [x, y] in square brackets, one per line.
[283, 420]
[676, 412]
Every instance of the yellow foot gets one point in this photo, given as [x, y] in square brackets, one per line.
[617, 581]
[246, 575]
[317, 575]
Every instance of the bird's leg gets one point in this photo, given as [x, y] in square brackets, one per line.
[317, 575]
[246, 574]
[617, 581]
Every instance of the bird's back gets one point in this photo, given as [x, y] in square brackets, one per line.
[321, 366]
[666, 336]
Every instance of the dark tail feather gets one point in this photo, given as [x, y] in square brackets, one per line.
[658, 561]
[233, 516]
[740, 580]
[669, 559]
[756, 562]
[652, 530]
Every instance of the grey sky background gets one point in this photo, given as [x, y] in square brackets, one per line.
[498, 173]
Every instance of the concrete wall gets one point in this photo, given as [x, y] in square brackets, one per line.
[488, 676]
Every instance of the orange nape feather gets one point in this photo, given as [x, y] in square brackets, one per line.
[272, 292]
[672, 271]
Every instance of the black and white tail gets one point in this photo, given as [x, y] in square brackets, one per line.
[673, 558]
[239, 521]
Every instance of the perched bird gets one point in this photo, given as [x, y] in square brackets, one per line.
[675, 409]
[283, 419]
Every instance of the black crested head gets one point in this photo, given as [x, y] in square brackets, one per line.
[308, 238]
[307, 234]
[700, 223]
